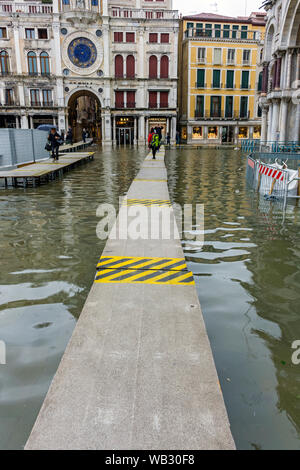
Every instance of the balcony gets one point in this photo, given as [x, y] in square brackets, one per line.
[9, 8]
[125, 77]
[221, 34]
[10, 104]
[41, 104]
[200, 86]
[143, 14]
[221, 115]
[5, 73]
[85, 8]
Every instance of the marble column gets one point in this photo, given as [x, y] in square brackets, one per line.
[275, 120]
[265, 79]
[270, 115]
[298, 66]
[114, 130]
[283, 120]
[297, 125]
[264, 124]
[135, 130]
[173, 129]
[289, 69]
[278, 73]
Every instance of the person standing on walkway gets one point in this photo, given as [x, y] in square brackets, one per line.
[83, 135]
[155, 145]
[53, 139]
[62, 135]
[168, 140]
[70, 136]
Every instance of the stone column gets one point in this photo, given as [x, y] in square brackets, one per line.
[270, 114]
[31, 122]
[275, 120]
[114, 129]
[24, 121]
[168, 125]
[104, 8]
[265, 79]
[289, 69]
[278, 73]
[283, 120]
[251, 130]
[264, 124]
[135, 130]
[106, 50]
[298, 66]
[17, 122]
[173, 129]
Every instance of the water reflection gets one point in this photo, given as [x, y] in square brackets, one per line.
[247, 277]
[49, 251]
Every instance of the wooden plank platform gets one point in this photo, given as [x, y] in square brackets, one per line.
[44, 171]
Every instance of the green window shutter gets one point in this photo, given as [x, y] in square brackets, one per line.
[216, 78]
[259, 87]
[245, 79]
[244, 106]
[200, 106]
[229, 106]
[229, 79]
[208, 30]
[235, 29]
[200, 78]
[217, 30]
[226, 31]
[190, 25]
[244, 33]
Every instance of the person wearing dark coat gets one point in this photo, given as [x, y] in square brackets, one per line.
[69, 137]
[53, 139]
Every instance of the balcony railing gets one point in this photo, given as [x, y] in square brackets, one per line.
[41, 104]
[222, 114]
[153, 14]
[7, 8]
[80, 6]
[125, 77]
[230, 34]
[123, 105]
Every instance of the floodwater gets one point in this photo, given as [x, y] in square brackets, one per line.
[247, 277]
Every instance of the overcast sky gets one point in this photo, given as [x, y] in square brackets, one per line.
[225, 7]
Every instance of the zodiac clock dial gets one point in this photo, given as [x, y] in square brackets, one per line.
[82, 52]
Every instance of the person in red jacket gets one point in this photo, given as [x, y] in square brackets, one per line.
[150, 137]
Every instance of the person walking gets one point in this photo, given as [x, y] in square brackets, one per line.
[62, 135]
[53, 139]
[155, 145]
[83, 135]
[168, 140]
[150, 136]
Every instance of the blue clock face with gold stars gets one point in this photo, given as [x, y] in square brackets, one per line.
[82, 52]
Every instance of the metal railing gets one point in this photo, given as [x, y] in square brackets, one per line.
[143, 13]
[223, 114]
[267, 147]
[222, 34]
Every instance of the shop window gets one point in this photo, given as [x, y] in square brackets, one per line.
[256, 132]
[184, 133]
[243, 132]
[213, 132]
[197, 133]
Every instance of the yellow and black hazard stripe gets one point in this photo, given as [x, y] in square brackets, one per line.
[131, 276]
[147, 202]
[139, 263]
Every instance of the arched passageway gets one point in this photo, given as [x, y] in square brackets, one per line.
[84, 110]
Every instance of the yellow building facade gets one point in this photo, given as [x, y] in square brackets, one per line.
[220, 75]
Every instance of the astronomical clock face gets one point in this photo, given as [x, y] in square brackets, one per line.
[82, 52]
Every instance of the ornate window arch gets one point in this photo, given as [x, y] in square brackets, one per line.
[153, 66]
[45, 63]
[32, 63]
[4, 62]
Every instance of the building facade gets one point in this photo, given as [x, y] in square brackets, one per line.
[220, 77]
[107, 66]
[280, 99]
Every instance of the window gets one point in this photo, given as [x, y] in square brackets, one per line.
[190, 25]
[153, 67]
[130, 66]
[118, 37]
[32, 63]
[217, 30]
[66, 2]
[229, 107]
[130, 99]
[47, 97]
[235, 29]
[201, 54]
[4, 64]
[215, 106]
[164, 38]
[153, 37]
[119, 66]
[3, 33]
[259, 85]
[230, 79]
[246, 56]
[197, 133]
[199, 112]
[119, 99]
[226, 31]
[164, 99]
[45, 65]
[29, 33]
[94, 3]
[152, 99]
[245, 79]
[243, 132]
[208, 30]
[244, 107]
[35, 97]
[244, 32]
[216, 78]
[164, 67]
[212, 132]
[259, 111]
[42, 33]
[218, 56]
[9, 97]
[130, 37]
[231, 56]
[200, 78]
